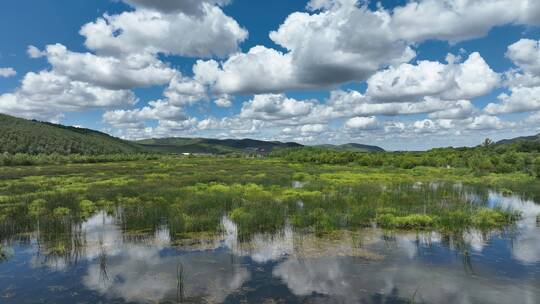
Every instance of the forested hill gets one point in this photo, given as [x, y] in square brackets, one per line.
[530, 139]
[213, 146]
[19, 135]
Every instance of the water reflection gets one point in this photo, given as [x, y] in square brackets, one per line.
[344, 280]
[99, 261]
[405, 273]
[144, 274]
[526, 243]
[141, 268]
[91, 239]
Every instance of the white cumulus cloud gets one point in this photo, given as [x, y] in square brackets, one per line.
[7, 72]
[131, 71]
[275, 107]
[451, 81]
[151, 31]
[189, 7]
[362, 123]
[46, 95]
[523, 83]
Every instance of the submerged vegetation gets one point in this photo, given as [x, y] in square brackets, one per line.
[3, 253]
[259, 195]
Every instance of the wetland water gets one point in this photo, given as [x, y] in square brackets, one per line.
[99, 261]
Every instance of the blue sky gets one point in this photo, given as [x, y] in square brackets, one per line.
[334, 71]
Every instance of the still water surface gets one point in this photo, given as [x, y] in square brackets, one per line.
[365, 266]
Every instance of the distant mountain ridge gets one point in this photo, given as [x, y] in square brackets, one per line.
[209, 145]
[352, 147]
[532, 138]
[18, 135]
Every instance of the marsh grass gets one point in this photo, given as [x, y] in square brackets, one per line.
[3, 253]
[191, 195]
[180, 277]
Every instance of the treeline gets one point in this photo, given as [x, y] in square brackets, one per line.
[488, 158]
[21, 159]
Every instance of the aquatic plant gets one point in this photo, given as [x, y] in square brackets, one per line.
[58, 249]
[360, 216]
[455, 220]
[413, 221]
[87, 208]
[3, 253]
[37, 208]
[506, 192]
[61, 212]
[180, 284]
[488, 218]
[193, 194]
